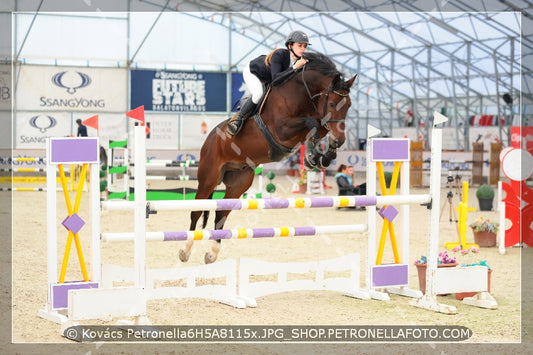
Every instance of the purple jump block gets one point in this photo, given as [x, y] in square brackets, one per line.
[174, 236]
[276, 203]
[365, 200]
[73, 223]
[60, 292]
[220, 234]
[321, 202]
[389, 275]
[263, 232]
[390, 149]
[74, 150]
[390, 213]
[304, 231]
[226, 204]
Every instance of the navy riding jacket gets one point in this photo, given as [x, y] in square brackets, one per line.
[279, 65]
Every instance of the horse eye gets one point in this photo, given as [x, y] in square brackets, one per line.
[331, 104]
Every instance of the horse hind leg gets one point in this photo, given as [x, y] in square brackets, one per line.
[211, 256]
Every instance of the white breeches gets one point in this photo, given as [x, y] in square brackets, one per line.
[253, 83]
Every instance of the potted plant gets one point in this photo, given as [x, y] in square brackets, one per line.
[469, 257]
[485, 195]
[485, 232]
[444, 260]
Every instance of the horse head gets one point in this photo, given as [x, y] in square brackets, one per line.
[331, 110]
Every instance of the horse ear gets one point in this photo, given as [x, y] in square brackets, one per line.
[350, 82]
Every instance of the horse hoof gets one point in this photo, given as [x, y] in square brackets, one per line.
[184, 256]
[210, 257]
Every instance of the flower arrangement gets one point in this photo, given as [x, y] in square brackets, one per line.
[484, 225]
[444, 258]
[470, 256]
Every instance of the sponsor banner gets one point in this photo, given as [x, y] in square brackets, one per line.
[32, 128]
[238, 90]
[71, 89]
[164, 130]
[176, 91]
[5, 87]
[195, 128]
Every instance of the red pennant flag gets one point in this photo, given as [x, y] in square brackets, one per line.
[137, 114]
[91, 122]
[147, 130]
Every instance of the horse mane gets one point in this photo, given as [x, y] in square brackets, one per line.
[322, 64]
[325, 66]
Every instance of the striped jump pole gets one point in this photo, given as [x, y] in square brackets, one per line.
[178, 178]
[161, 163]
[24, 170]
[271, 203]
[238, 233]
[25, 189]
[25, 159]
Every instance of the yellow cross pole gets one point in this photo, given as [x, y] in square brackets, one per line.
[71, 235]
[463, 210]
[388, 225]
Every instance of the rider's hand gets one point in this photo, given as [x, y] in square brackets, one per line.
[300, 63]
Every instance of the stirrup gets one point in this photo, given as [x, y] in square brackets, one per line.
[234, 126]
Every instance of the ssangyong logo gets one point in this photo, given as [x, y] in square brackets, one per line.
[42, 122]
[71, 80]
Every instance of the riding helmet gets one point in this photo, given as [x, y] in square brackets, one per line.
[297, 36]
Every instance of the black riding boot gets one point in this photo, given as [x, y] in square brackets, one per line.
[235, 124]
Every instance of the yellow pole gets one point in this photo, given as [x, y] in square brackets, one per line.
[71, 177]
[462, 227]
[70, 234]
[388, 225]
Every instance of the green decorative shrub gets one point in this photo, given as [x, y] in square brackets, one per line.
[485, 191]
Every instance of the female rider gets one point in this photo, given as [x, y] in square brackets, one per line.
[265, 69]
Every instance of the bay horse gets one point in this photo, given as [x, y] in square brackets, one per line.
[306, 105]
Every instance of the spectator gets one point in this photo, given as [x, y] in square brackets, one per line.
[345, 183]
[82, 129]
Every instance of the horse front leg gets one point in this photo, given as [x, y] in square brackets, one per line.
[237, 182]
[185, 251]
[207, 181]
[220, 219]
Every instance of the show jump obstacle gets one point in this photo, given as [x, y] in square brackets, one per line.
[108, 301]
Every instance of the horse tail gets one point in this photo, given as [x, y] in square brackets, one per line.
[206, 213]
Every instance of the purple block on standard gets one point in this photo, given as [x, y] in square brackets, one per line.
[390, 149]
[60, 292]
[390, 213]
[74, 150]
[73, 223]
[389, 275]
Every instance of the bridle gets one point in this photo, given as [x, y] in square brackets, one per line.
[316, 158]
[323, 121]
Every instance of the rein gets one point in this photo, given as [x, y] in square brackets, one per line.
[324, 122]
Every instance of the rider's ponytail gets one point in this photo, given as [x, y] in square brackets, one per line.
[268, 58]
